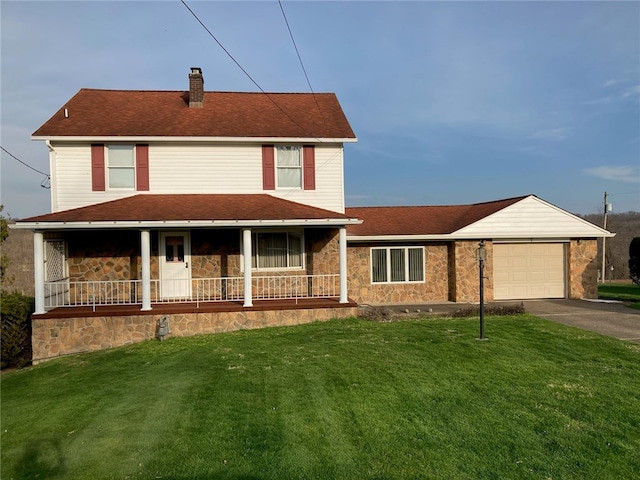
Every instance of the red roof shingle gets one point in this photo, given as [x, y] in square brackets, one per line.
[191, 207]
[98, 113]
[421, 220]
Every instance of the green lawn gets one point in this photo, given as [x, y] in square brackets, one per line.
[343, 399]
[628, 293]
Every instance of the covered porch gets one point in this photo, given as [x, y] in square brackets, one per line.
[152, 250]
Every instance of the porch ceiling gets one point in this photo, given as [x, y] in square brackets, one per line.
[189, 210]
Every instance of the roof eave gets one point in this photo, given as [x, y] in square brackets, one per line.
[133, 138]
[453, 236]
[138, 224]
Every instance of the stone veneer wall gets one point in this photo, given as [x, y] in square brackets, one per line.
[215, 253]
[435, 288]
[104, 255]
[464, 273]
[323, 251]
[583, 268]
[56, 337]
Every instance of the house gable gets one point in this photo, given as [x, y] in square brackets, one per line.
[531, 217]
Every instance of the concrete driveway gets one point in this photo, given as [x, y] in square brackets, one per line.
[611, 319]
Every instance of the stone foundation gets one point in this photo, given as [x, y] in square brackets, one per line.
[55, 337]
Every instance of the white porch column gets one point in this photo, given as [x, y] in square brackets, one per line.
[145, 253]
[246, 251]
[38, 264]
[342, 240]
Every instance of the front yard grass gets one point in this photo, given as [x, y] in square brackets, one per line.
[347, 399]
[629, 293]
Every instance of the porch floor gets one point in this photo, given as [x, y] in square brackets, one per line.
[193, 307]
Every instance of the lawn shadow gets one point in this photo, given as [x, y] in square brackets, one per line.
[42, 459]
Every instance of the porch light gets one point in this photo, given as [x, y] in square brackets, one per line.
[481, 256]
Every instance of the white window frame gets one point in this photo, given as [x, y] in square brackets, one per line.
[279, 167]
[255, 254]
[109, 167]
[406, 264]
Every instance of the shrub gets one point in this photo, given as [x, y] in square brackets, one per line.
[634, 260]
[375, 314]
[15, 330]
[493, 309]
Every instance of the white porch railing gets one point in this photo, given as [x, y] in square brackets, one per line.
[65, 293]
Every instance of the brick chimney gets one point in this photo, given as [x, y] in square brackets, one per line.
[196, 88]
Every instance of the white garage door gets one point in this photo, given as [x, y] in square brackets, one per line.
[528, 270]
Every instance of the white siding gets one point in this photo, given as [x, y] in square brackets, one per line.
[531, 218]
[73, 179]
[176, 168]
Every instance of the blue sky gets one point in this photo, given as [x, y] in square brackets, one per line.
[452, 102]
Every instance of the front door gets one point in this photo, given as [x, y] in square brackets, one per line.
[175, 272]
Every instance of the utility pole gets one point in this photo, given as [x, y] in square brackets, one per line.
[607, 208]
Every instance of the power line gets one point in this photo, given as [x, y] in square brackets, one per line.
[240, 66]
[24, 163]
[260, 88]
[300, 59]
[46, 182]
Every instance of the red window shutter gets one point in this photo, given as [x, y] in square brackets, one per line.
[309, 168]
[142, 168]
[97, 168]
[268, 168]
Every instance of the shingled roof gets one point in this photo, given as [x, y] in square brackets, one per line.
[134, 113]
[421, 220]
[190, 207]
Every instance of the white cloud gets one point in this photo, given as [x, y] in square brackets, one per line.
[621, 173]
[631, 91]
[621, 95]
[550, 134]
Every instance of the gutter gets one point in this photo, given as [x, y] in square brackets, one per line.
[452, 236]
[111, 138]
[135, 224]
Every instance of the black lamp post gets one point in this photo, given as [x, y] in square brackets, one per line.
[481, 255]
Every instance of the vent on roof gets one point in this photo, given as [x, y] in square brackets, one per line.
[196, 88]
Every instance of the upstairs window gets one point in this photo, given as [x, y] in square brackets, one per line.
[289, 166]
[121, 166]
[397, 265]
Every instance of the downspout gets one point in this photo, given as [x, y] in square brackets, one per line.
[54, 188]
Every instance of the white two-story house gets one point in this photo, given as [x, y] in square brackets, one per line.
[171, 201]
[222, 210]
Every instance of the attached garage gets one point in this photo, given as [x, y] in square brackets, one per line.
[529, 270]
[534, 250]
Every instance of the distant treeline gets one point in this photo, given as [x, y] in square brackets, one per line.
[625, 226]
